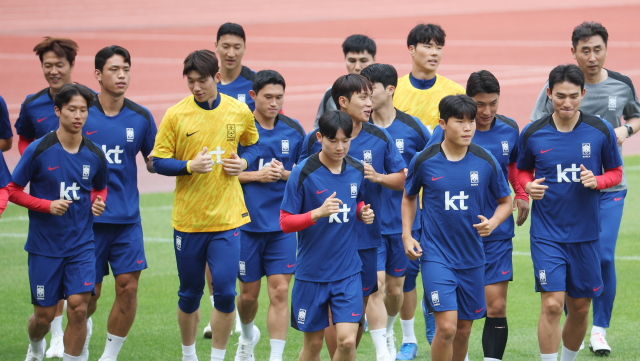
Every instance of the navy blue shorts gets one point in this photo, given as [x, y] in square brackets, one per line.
[118, 245]
[413, 268]
[569, 267]
[448, 289]
[499, 264]
[310, 302]
[391, 256]
[369, 273]
[55, 278]
[266, 254]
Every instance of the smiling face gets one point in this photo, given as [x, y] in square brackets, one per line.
[230, 49]
[590, 55]
[57, 70]
[358, 107]
[115, 75]
[566, 98]
[73, 115]
[487, 104]
[202, 88]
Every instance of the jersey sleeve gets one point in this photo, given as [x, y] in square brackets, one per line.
[413, 183]
[526, 160]
[513, 156]
[23, 172]
[250, 134]
[5, 124]
[436, 136]
[304, 151]
[360, 197]
[427, 135]
[498, 185]
[610, 153]
[24, 127]
[101, 179]
[393, 161]
[632, 108]
[543, 105]
[165, 143]
[293, 195]
[149, 138]
[299, 146]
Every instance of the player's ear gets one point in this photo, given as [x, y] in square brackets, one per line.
[549, 92]
[412, 49]
[98, 74]
[72, 65]
[584, 91]
[573, 52]
[57, 110]
[217, 78]
[253, 94]
[442, 123]
[391, 90]
[319, 136]
[344, 102]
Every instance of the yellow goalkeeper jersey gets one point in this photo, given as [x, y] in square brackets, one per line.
[210, 202]
[423, 104]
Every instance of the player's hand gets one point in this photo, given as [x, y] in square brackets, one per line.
[366, 214]
[279, 166]
[59, 207]
[370, 173]
[535, 189]
[485, 227]
[587, 178]
[269, 174]
[202, 163]
[98, 206]
[235, 165]
[622, 133]
[330, 206]
[412, 248]
[523, 210]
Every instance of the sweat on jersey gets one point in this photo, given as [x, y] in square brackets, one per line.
[611, 99]
[54, 173]
[374, 146]
[121, 137]
[239, 88]
[569, 211]
[5, 124]
[327, 250]
[454, 193]
[501, 140]
[284, 143]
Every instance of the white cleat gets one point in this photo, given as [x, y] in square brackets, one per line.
[581, 346]
[107, 358]
[32, 356]
[385, 357]
[84, 356]
[391, 344]
[56, 349]
[598, 345]
[207, 331]
[245, 347]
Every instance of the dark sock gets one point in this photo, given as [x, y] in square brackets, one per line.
[494, 337]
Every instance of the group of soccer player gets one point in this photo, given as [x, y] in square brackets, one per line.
[338, 206]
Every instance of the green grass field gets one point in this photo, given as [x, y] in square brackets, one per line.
[155, 334]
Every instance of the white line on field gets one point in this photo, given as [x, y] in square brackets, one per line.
[14, 219]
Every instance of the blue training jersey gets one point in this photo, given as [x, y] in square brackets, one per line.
[454, 193]
[327, 250]
[5, 174]
[568, 212]
[239, 88]
[54, 173]
[284, 143]
[410, 137]
[374, 146]
[122, 137]
[501, 140]
[5, 124]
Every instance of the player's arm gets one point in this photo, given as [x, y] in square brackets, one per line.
[631, 113]
[6, 135]
[394, 181]
[4, 199]
[408, 210]
[99, 188]
[249, 140]
[268, 174]
[629, 128]
[25, 130]
[147, 145]
[486, 226]
[19, 197]
[611, 162]
[521, 200]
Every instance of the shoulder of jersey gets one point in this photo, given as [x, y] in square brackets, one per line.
[351, 161]
[138, 109]
[598, 123]
[428, 153]
[624, 79]
[247, 73]
[508, 121]
[375, 131]
[483, 154]
[93, 148]
[41, 145]
[533, 127]
[291, 123]
[411, 122]
[227, 101]
[447, 81]
[32, 97]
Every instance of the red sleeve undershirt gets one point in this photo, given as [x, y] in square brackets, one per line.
[102, 193]
[4, 198]
[515, 183]
[525, 176]
[19, 197]
[23, 143]
[290, 223]
[610, 178]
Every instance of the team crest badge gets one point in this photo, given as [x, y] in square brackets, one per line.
[354, 190]
[86, 170]
[367, 156]
[586, 150]
[612, 102]
[243, 269]
[474, 178]
[40, 292]
[435, 299]
[129, 134]
[302, 315]
[231, 132]
[400, 145]
[285, 146]
[542, 275]
[179, 243]
[505, 148]
[242, 98]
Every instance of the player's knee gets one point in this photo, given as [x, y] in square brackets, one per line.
[497, 308]
[463, 330]
[43, 319]
[580, 310]
[127, 292]
[314, 345]
[77, 311]
[189, 301]
[446, 330]
[225, 302]
[347, 342]
[394, 292]
[606, 261]
[552, 307]
[280, 294]
[249, 298]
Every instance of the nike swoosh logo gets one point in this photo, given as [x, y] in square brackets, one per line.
[321, 191]
[596, 289]
[504, 273]
[39, 120]
[617, 199]
[400, 270]
[480, 310]
[235, 234]
[89, 133]
[188, 135]
[54, 168]
[366, 288]
[544, 151]
[140, 261]
[435, 179]
[290, 265]
[355, 314]
[88, 284]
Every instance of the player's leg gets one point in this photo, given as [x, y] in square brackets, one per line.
[346, 300]
[309, 314]
[76, 331]
[369, 279]
[575, 325]
[79, 274]
[346, 335]
[206, 333]
[409, 348]
[38, 326]
[376, 313]
[330, 337]
[395, 269]
[311, 346]
[470, 300]
[498, 273]
[56, 346]
[461, 340]
[446, 327]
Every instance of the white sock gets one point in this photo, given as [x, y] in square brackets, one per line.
[211, 297]
[549, 356]
[598, 329]
[379, 338]
[113, 345]
[408, 333]
[37, 347]
[247, 331]
[277, 349]
[189, 353]
[217, 355]
[568, 355]
[66, 357]
[466, 358]
[56, 326]
[390, 321]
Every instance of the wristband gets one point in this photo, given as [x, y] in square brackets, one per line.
[629, 129]
[189, 166]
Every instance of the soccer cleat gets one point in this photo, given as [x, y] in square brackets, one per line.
[598, 345]
[429, 321]
[32, 356]
[384, 357]
[107, 358]
[207, 331]
[245, 347]
[84, 356]
[581, 346]
[56, 349]
[391, 343]
[408, 351]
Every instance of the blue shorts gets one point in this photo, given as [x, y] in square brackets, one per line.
[310, 302]
[221, 250]
[448, 289]
[118, 245]
[55, 278]
[266, 254]
[499, 265]
[570, 267]
[413, 268]
[391, 256]
[369, 273]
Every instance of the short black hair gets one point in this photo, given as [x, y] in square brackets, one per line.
[346, 85]
[106, 53]
[570, 72]
[586, 30]
[331, 121]
[62, 47]
[231, 29]
[482, 82]
[202, 61]
[68, 91]
[381, 73]
[424, 33]
[359, 44]
[264, 77]
[457, 106]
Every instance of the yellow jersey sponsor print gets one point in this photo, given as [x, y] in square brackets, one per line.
[210, 202]
[423, 104]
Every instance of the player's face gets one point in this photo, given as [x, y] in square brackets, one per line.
[487, 104]
[335, 148]
[73, 115]
[355, 62]
[566, 98]
[380, 95]
[57, 70]
[427, 56]
[459, 131]
[115, 75]
[590, 55]
[202, 88]
[269, 100]
[359, 107]
[231, 49]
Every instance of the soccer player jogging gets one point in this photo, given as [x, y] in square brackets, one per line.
[123, 129]
[383, 165]
[567, 150]
[410, 137]
[459, 178]
[68, 179]
[235, 78]
[359, 52]
[611, 96]
[208, 204]
[322, 199]
[265, 249]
